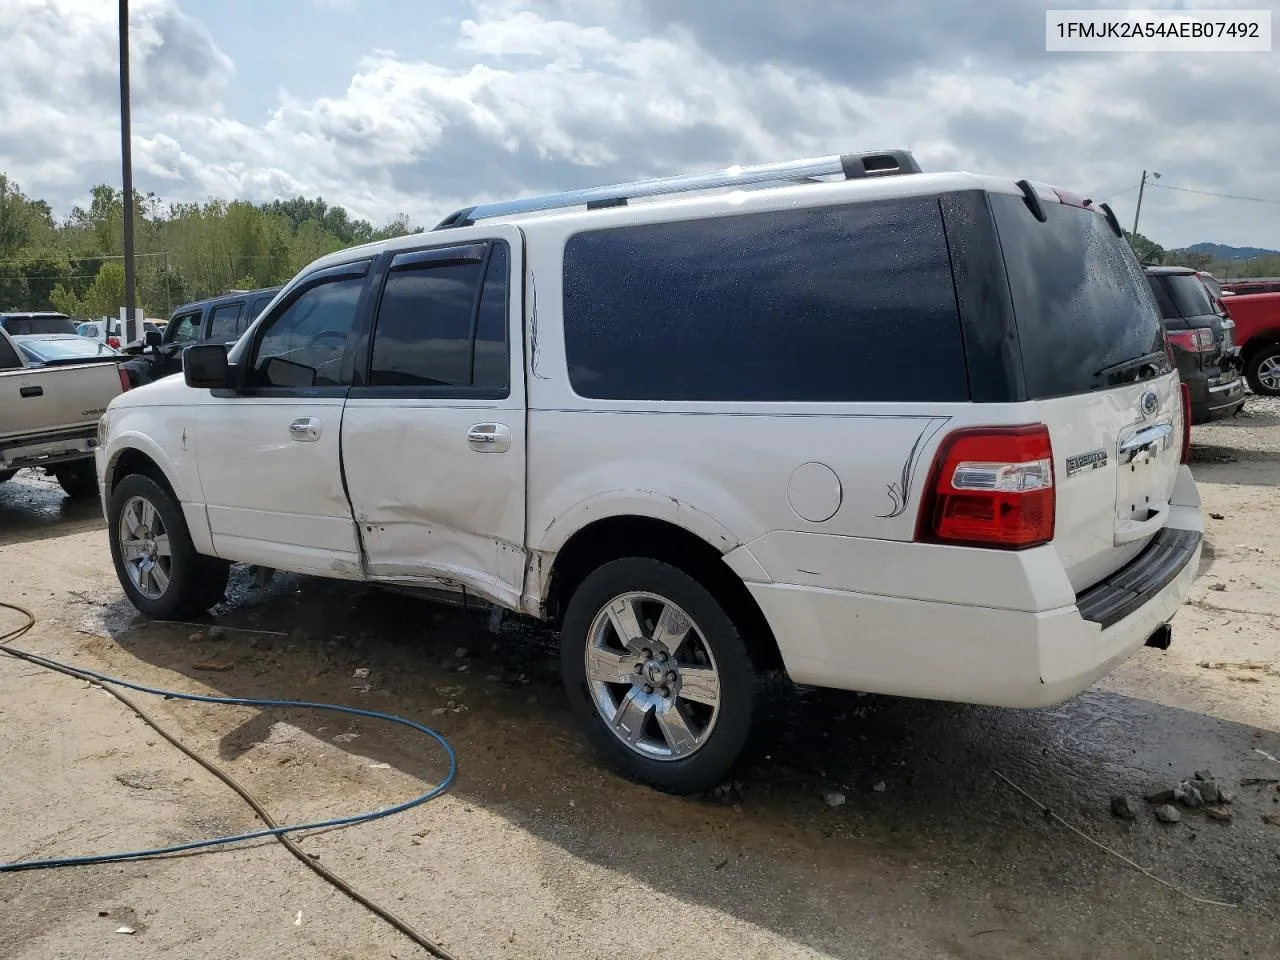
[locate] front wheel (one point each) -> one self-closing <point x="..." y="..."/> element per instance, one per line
<point x="659" y="675"/>
<point x="157" y="564"/>
<point x="79" y="480"/>
<point x="1263" y="371"/>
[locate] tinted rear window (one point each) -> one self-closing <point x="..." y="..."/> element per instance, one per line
<point x="832" y="304"/>
<point x="1080" y="299"/>
<point x="1187" y="293"/>
<point x="24" y="326"/>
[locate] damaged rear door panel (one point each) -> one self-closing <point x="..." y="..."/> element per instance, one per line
<point x="433" y="438"/>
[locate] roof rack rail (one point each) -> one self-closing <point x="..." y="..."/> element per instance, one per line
<point x="851" y="166"/>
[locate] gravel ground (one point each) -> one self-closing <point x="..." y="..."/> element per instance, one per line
<point x="539" y="852"/>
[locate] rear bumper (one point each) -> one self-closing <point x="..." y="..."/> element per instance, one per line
<point x="983" y="654"/>
<point x="1212" y="399"/>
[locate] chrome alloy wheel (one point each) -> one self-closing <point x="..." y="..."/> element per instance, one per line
<point x="652" y="676"/>
<point x="1269" y="373"/>
<point x="144" y="547"/>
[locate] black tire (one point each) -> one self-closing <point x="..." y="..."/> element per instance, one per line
<point x="79" y="480"/>
<point x="194" y="582"/>
<point x="1269" y="355"/>
<point x="741" y="689"/>
<point x="7" y="475"/>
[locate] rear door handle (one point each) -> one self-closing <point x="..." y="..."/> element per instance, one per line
<point x="31" y="391"/>
<point x="489" y="438"/>
<point x="305" y="429"/>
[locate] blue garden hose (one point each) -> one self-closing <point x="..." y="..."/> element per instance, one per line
<point x="110" y="683"/>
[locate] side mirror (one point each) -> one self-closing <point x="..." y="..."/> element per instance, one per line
<point x="153" y="338"/>
<point x="205" y="367"/>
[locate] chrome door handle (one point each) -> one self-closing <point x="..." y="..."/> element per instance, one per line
<point x="305" y="429"/>
<point x="489" y="438"/>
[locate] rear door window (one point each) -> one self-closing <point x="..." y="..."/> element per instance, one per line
<point x="830" y="304"/>
<point x="1080" y="299"/>
<point x="222" y="323"/>
<point x="442" y="325"/>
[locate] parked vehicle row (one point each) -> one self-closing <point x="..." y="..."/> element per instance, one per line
<point x="53" y="389"/>
<point x="1202" y="342"/>
<point x="218" y="319"/>
<point x="682" y="432"/>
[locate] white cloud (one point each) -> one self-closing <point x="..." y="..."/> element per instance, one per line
<point x="573" y="93"/>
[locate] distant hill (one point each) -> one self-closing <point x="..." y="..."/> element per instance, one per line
<point x="1221" y="251"/>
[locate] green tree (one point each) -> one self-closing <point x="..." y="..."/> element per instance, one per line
<point x="106" y="294"/>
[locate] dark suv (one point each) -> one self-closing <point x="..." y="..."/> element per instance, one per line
<point x="216" y="320"/>
<point x="1202" y="344"/>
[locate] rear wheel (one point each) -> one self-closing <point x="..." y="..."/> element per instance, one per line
<point x="157" y="565"/>
<point x="659" y="675"/>
<point x="79" y="480"/>
<point x="1263" y="371"/>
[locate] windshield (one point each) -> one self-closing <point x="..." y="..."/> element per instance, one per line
<point x="1080" y="300"/>
<point x="68" y="348"/>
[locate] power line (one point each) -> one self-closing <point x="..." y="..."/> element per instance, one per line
<point x="1210" y="193"/>
<point x="87" y="256"/>
<point x="1118" y="193"/>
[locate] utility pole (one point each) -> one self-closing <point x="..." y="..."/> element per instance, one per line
<point x="1141" y="189"/>
<point x="126" y="162"/>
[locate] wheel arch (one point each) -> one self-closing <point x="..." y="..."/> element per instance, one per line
<point x="620" y="536"/>
<point x="136" y="455"/>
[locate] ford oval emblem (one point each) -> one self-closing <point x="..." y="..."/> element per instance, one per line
<point x="1150" y="403"/>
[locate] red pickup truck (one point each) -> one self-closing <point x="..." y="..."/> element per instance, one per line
<point x="1257" y="333"/>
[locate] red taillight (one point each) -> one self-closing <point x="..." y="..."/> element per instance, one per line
<point x="113" y="343"/>
<point x="1186" y="423"/>
<point x="1199" y="340"/>
<point x="124" y="379"/>
<point x="991" y="487"/>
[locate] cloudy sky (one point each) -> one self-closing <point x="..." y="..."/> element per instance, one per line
<point x="421" y="106"/>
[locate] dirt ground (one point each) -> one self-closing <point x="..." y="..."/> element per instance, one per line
<point x="538" y="852"/>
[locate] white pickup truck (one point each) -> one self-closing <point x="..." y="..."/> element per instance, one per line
<point x="49" y="413"/>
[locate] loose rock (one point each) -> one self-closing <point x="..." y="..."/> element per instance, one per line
<point x="1187" y="794"/>
<point x="1157" y="794"/>
<point x="834" y="798"/>
<point x="1208" y="790"/>
<point x="462" y="653"/>
<point x="879" y="787"/>
<point x="361" y="673"/>
<point x="1126" y="808"/>
<point x="1221" y="814"/>
<point x="1218" y="586"/>
<point x="1204" y="775"/>
<point x="217" y="633"/>
<point x="1167" y="813"/>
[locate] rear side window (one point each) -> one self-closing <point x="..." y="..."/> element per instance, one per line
<point x="833" y="304"/>
<point x="223" y="320"/>
<point x="1080" y="299"/>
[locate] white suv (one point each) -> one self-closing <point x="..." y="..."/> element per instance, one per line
<point x="897" y="432"/>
